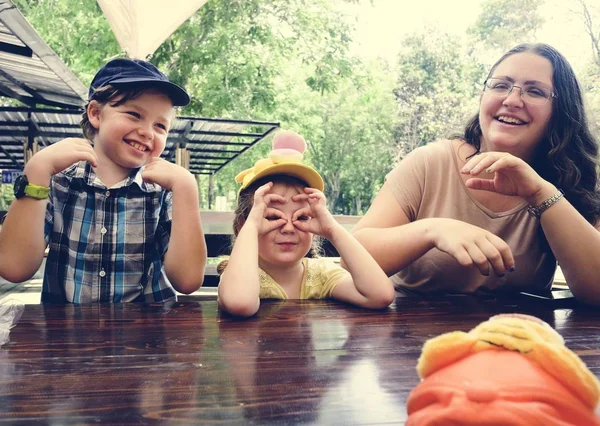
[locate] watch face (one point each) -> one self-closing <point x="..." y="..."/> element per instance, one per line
<point x="19" y="186"/>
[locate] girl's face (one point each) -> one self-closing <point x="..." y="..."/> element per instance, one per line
<point x="287" y="244"/>
<point x="509" y="124"/>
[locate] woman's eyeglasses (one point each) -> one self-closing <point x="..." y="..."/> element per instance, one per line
<point x="530" y="93"/>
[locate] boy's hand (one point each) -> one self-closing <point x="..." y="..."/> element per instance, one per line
<point x="315" y="218"/>
<point x="57" y="157"/>
<point x="263" y="217"/>
<point x="168" y="175"/>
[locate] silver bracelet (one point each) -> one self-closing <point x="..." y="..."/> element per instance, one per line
<point x="546" y="204"/>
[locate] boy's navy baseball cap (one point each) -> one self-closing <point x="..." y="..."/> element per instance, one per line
<point x="123" y="71"/>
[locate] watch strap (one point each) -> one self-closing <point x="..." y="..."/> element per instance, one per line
<point x="546" y="204"/>
<point x="37" y="191"/>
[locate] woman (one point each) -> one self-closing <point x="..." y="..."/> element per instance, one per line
<point x="487" y="210"/>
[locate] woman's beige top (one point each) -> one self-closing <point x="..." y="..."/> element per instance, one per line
<point x="321" y="277"/>
<point x="427" y="184"/>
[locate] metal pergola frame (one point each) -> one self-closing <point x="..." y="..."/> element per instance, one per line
<point x="31" y="72"/>
<point x="211" y="142"/>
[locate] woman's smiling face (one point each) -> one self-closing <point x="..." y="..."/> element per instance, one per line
<point x="508" y="124"/>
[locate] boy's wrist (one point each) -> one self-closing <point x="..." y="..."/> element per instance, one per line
<point x="36" y="175"/>
<point x="187" y="184"/>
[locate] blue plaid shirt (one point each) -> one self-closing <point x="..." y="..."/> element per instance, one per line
<point x="106" y="244"/>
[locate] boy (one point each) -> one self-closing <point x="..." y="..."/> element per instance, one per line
<point x="119" y="219"/>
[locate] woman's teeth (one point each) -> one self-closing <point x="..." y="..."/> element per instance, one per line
<point x="509" y="120"/>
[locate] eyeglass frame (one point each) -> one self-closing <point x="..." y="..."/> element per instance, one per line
<point x="513" y="85"/>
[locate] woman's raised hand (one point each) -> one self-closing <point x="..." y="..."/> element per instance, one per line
<point x="508" y="175"/>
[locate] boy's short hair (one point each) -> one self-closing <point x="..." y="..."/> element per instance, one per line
<point x="125" y="79"/>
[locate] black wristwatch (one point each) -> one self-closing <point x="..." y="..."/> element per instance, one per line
<point x="22" y="188"/>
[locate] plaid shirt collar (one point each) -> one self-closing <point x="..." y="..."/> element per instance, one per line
<point x="83" y="171"/>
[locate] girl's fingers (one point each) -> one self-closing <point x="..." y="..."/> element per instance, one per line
<point x="305" y="212"/>
<point x="274" y="198"/>
<point x="300" y="197"/>
<point x="302" y="225"/>
<point x="314" y="193"/>
<point x="312" y="190"/>
<point x="273" y="214"/>
<point x="262" y="189"/>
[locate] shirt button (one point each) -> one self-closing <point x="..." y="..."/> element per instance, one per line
<point x="103" y="231"/>
<point x="102" y="273"/>
<point x="107" y="193"/>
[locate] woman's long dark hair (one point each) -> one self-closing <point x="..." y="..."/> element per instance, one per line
<point x="567" y="156"/>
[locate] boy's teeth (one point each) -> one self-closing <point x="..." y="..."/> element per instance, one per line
<point x="510" y="120"/>
<point x="137" y="146"/>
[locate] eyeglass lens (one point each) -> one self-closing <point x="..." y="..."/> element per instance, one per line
<point x="529" y="92"/>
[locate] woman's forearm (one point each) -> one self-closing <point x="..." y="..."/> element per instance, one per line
<point x="395" y="248"/>
<point x="576" y="246"/>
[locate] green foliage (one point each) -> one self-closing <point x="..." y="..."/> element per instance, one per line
<point x="590" y="83"/>
<point x="352" y="146"/>
<point x="436" y="90"/>
<point x="76" y="30"/>
<point x="289" y="61"/>
<point x="349" y="133"/>
<point x="230" y="53"/>
<point x="6" y="196"/>
<point x="504" y="23"/>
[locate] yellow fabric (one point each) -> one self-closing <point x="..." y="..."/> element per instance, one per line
<point x="281" y="164"/>
<point x="321" y="277"/>
<point x="529" y="336"/>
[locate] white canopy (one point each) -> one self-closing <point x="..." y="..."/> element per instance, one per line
<point x="141" y="26"/>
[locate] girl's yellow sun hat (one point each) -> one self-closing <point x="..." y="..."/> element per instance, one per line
<point x="284" y="159"/>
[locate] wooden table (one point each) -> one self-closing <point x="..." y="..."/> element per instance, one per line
<point x="295" y="363"/>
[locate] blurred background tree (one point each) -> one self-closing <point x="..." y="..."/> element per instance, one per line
<point x="292" y="61"/>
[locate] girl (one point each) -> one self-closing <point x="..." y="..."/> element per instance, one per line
<point x="281" y="207"/>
